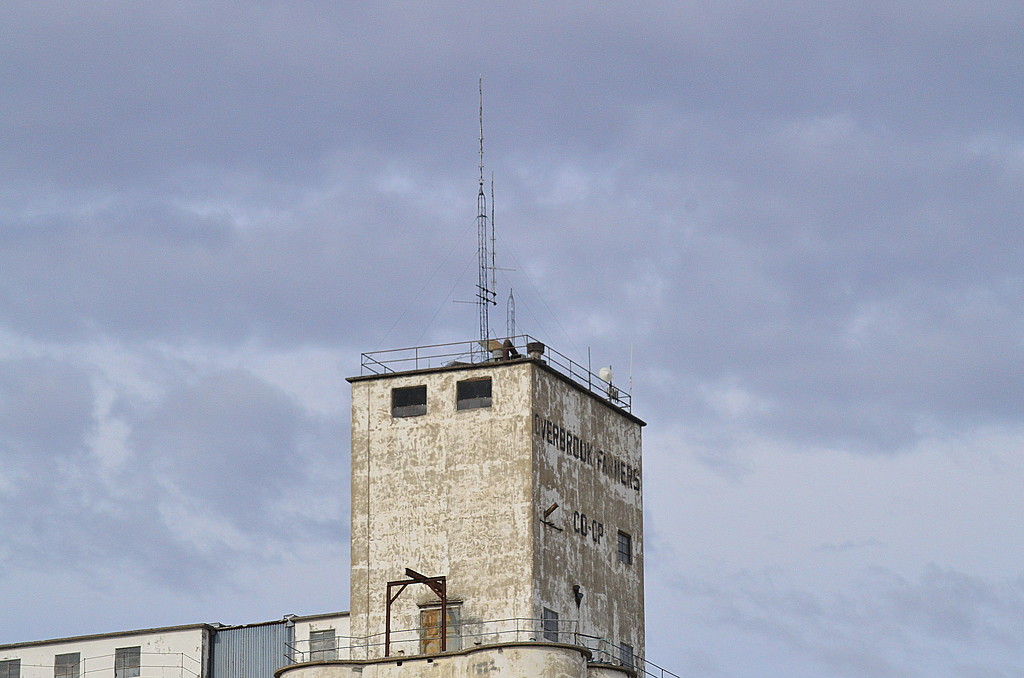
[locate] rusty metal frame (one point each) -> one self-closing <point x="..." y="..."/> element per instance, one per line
<point x="438" y="585"/>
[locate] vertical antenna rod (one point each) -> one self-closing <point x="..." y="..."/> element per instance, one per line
<point x="494" y="250"/>
<point x="485" y="294"/>
<point x="510" y="315"/>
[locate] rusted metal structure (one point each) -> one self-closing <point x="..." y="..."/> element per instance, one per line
<point x="439" y="585"/>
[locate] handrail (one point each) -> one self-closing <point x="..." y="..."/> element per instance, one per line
<point x="607" y="652"/>
<point x="479" y="634"/>
<point x="430" y="356"/>
<point x="149" y="666"/>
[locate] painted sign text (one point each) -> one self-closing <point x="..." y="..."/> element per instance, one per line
<point x="586" y="452"/>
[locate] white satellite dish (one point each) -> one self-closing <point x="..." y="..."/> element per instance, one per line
<point x="606" y="374"/>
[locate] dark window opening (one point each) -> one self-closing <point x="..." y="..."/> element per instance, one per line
<point x="322" y="645"/>
<point x="127" y="662"/>
<point x="549" y="625"/>
<point x="410" y="401"/>
<point x="626" y="655"/>
<point x="10" y="668"/>
<point x="625" y="548"/>
<point x="473" y="394"/>
<point x="66" y="665"/>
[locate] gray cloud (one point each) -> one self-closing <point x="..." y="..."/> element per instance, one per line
<point x="888" y="627"/>
<point x="217" y="439"/>
<point x="45" y="420"/>
<point x="801" y="221"/>
<point x="45" y="411"/>
<point x="208" y="475"/>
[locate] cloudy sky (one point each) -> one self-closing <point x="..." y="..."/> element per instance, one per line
<point x="801" y="219"/>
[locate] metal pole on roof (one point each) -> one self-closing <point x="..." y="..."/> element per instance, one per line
<point x="485" y="295"/>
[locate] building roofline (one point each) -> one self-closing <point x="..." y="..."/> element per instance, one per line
<point x="503" y="363"/>
<point x="112" y="634"/>
<point x="283" y="620"/>
<point x="212" y="626"/>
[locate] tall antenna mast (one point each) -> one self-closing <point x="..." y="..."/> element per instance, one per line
<point x="485" y="292"/>
<point x="494" y="250"/>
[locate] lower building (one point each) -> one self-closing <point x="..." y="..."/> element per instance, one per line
<point x="189" y="651"/>
<point x="317" y="646"/>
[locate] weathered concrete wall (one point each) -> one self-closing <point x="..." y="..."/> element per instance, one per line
<point x="606" y="671"/>
<point x="588" y="460"/>
<point x="462" y="493"/>
<point x="444" y="493"/>
<point x="536" y="660"/>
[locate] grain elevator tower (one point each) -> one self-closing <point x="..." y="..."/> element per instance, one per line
<point x="497" y="513"/>
<point x="518" y="480"/>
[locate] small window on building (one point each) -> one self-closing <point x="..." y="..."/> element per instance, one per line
<point x="127" y="662"/>
<point x="323" y="645"/>
<point x="10" y="668"/>
<point x="410" y="401"/>
<point x="473" y="393"/>
<point x="549" y="625"/>
<point x="66" y="665"/>
<point x="626" y="655"/>
<point x="625" y="548"/>
<point x="430" y="629"/>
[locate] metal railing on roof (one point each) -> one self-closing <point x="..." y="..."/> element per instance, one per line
<point x="464" y="635"/>
<point x="604" y="651"/>
<point x="499" y="350"/>
<point x="151" y="665"/>
<point x="409" y="642"/>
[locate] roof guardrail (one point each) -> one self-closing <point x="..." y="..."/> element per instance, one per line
<point x="497" y="350"/>
<point x="151" y="665"/>
<point x="463" y="635"/>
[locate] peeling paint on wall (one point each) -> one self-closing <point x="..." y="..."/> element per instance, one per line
<point x="462" y="493"/>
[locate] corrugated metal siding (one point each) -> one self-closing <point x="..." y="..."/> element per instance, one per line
<point x="249" y="652"/>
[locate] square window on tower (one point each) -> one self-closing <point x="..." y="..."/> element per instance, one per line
<point x="625" y="544"/>
<point x="410" y="401"/>
<point x="626" y="657"/>
<point x="549" y="625"/>
<point x="473" y="393"/>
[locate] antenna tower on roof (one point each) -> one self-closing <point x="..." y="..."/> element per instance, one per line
<point x="494" y="249"/>
<point x="486" y="294"/>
